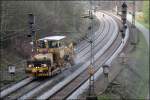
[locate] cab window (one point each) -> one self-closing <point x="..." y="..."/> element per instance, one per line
<point x="42" y="44"/>
<point x="53" y="44"/>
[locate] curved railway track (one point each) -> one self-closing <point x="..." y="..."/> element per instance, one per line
<point x="69" y="88"/>
<point x="26" y="96"/>
<point x="15" y="93"/>
<point x="84" y="43"/>
<point x="33" y="89"/>
<point x="99" y="41"/>
<point x="98" y="72"/>
<point x="102" y="37"/>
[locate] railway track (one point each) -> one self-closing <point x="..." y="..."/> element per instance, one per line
<point x="16" y="86"/>
<point x="29" y="84"/>
<point x="24" y="89"/>
<point x="68" y="88"/>
<point x="84" y="43"/>
<point x="77" y="82"/>
<point x="101" y="39"/>
<point x="98" y="73"/>
<point x="12" y="94"/>
<point x="40" y="88"/>
<point x="33" y="93"/>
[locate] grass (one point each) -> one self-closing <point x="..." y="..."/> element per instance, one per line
<point x="136" y="82"/>
<point x="144" y="19"/>
<point x="143" y="22"/>
<point x="141" y="55"/>
<point x="104" y="97"/>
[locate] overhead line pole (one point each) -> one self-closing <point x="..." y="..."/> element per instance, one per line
<point x="133" y="14"/>
<point x="91" y="95"/>
<point x="133" y="42"/>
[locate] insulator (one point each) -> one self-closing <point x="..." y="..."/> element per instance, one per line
<point x="124" y="5"/>
<point x="123" y="35"/>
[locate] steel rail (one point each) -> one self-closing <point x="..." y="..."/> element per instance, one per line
<point x="27" y="85"/>
<point x="31" y="93"/>
<point x="98" y="39"/>
<point x="31" y="89"/>
<point x="15" y="87"/>
<point x="99" y="31"/>
<point x="103" y="40"/>
<point x="51" y="92"/>
<point x="71" y="87"/>
<point x="24" y="89"/>
<point x="99" y="72"/>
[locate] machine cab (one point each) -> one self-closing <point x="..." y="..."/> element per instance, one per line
<point x="51" y="42"/>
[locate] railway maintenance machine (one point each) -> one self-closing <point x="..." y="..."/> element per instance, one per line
<point x="52" y="55"/>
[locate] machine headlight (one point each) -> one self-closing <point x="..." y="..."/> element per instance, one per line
<point x="44" y="65"/>
<point x="29" y="66"/>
